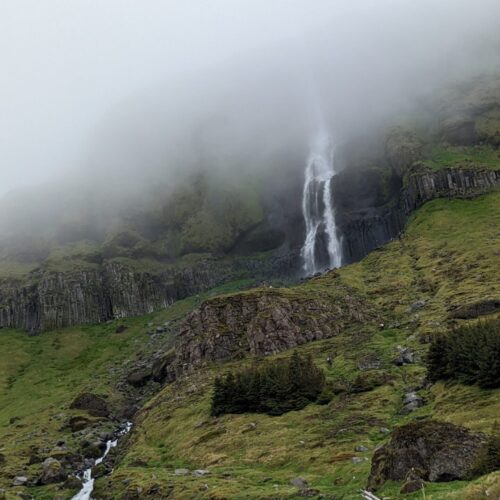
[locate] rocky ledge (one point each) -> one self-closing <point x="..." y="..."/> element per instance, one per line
<point x="259" y="323"/>
<point x="368" y="228"/>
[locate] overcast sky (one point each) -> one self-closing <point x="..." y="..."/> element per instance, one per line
<point x="66" y="63"/>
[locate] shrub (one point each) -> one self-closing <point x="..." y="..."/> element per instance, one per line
<point x="469" y="354"/>
<point x="274" y="389"/>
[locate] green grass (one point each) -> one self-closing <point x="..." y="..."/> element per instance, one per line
<point x="448" y="256"/>
<point x="443" y="156"/>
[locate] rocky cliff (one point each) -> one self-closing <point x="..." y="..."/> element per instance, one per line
<point x="366" y="228"/>
<point x="57" y="299"/>
<point x="260" y="323"/>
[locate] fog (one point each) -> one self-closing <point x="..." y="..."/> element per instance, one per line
<point x="121" y="96"/>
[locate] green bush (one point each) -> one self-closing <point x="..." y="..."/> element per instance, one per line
<point x="274" y="389"/>
<point x="469" y="354"/>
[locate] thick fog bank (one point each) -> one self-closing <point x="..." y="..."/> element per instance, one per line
<point x="249" y="113"/>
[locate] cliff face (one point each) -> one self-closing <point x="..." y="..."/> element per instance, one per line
<point x="260" y="323"/>
<point x="366" y="228"/>
<point x="59" y="299"/>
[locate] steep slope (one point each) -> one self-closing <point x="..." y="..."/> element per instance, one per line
<point x="446" y="261"/>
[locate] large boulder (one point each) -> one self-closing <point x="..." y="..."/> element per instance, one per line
<point x="93" y="403"/>
<point x="52" y="472"/>
<point x="435" y="451"/>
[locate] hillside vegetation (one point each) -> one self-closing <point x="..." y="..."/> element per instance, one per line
<point x="447" y="260"/>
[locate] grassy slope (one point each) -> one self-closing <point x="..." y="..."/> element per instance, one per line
<point x="40" y="376"/>
<point x="448" y="256"/>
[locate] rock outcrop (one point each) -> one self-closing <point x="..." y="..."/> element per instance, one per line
<point x="435" y="451"/>
<point x="54" y="299"/>
<point x="367" y="228"/>
<point x="259" y="323"/>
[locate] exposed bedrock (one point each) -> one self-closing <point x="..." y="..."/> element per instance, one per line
<point x="259" y="323"/>
<point x="51" y="299"/>
<point x="365" y="228"/>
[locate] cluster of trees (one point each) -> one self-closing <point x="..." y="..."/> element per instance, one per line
<point x="469" y="354"/>
<point x="273" y="388"/>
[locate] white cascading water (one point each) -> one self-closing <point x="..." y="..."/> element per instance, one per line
<point x="87" y="479"/>
<point x="317" y="206"/>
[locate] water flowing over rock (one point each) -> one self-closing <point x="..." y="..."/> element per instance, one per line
<point x="321" y="247"/>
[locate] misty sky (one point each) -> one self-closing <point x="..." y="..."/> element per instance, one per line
<point x="67" y="64"/>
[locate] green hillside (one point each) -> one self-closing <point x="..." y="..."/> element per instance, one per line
<point x="447" y="258"/>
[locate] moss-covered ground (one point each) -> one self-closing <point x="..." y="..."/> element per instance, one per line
<point x="448" y="256"/>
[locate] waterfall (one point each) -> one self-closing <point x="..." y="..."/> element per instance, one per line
<point x="322" y="246"/>
<point x="88" y="481"/>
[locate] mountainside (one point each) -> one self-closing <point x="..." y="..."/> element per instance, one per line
<point x="209" y="231"/>
<point x="199" y="297"/>
<point x="372" y="319"/>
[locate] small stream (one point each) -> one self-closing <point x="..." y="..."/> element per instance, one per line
<point x="88" y="481"/>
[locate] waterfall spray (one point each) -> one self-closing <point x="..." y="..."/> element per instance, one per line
<point x="317" y="206"/>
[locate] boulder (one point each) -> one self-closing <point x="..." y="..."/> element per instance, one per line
<point x="120" y="328"/>
<point x="20" y="481"/>
<point x="411" y="402"/>
<point x="474" y="310"/>
<point x="181" y="472"/>
<point x="140" y="376"/>
<point x="369" y="362"/>
<point x="72" y="483"/>
<point x="439" y="451"/>
<point x="52" y="472"/>
<point x="94" y="404"/>
<point x="299" y="483"/>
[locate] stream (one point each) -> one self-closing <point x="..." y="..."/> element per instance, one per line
<point x="88" y="481"/>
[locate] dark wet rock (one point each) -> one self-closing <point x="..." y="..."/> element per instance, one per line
<point x="92" y="403"/>
<point x="471" y="311"/>
<point x="100" y="470"/>
<point x="439" y="451"/>
<point x="72" y="483"/>
<point x="460" y="132"/>
<point x="93" y="450"/>
<point x="121" y="328"/>
<point x="52" y="472"/>
<point x="405" y="356"/>
<point x="161" y="365"/>
<point x="140" y="376"/>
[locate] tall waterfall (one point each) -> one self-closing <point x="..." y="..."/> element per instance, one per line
<point x="322" y="246"/>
